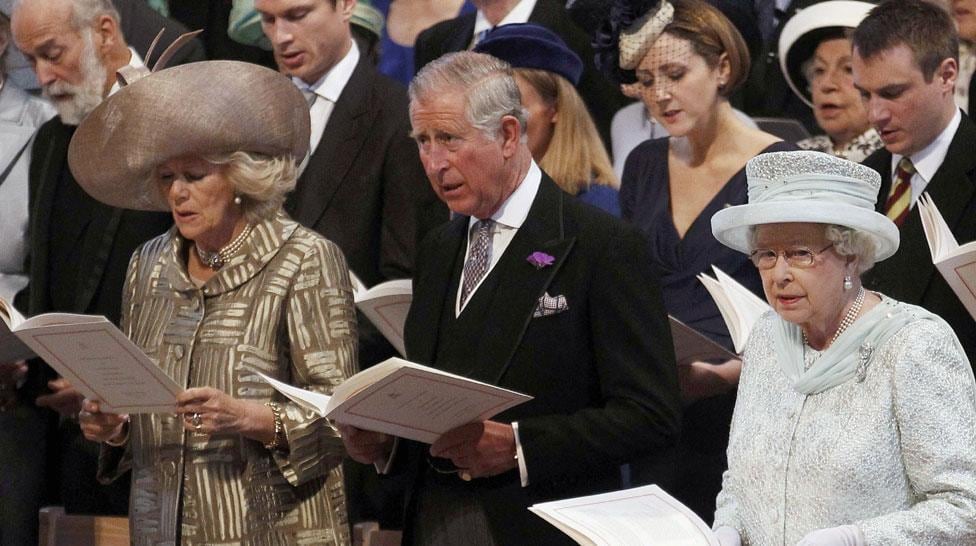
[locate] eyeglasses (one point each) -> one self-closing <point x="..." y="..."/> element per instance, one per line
<point x="766" y="258"/>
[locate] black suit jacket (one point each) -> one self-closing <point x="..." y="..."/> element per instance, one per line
<point x="601" y="373"/>
<point x="602" y="98"/>
<point x="365" y="189"/>
<point x="140" y="25"/>
<point x="909" y="275"/>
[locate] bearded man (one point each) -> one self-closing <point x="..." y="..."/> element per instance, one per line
<point x="79" y="248"/>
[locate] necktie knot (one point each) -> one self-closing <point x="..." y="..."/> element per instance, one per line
<point x="310" y="96"/>
<point x="905" y="167"/>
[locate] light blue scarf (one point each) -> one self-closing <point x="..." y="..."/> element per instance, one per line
<point x="849" y="355"/>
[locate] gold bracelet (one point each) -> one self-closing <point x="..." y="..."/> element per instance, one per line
<point x="279" y="427"/>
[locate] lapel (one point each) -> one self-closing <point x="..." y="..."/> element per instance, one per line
<point x="952" y="190"/>
<point x="345" y="134"/>
<point x="51" y="153"/>
<point x="520" y="283"/>
<point x="432" y="287"/>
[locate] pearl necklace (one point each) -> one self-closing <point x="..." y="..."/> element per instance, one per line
<point x="849" y="318"/>
<point x="216" y="260"/>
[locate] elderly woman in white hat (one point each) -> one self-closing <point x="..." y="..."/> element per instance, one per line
<point x="855" y="422"/>
<point x="235" y="287"/>
<point x="815" y="56"/>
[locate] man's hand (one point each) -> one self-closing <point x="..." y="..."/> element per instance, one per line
<point x="98" y="426"/>
<point x="63" y="399"/>
<point x="10" y="374"/>
<point x="366" y="446"/>
<point x="478" y="449"/>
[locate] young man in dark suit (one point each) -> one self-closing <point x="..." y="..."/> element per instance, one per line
<point x="363" y="186"/>
<point x="602" y="98"/>
<point x="905" y="66"/>
<point x="79" y="248"/>
<point x="530" y="290"/>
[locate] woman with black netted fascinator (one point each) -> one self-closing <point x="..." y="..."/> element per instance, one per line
<point x="684" y="58"/>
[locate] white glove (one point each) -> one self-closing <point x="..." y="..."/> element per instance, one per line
<point x="845" y="535"/>
<point x="727" y="536"/>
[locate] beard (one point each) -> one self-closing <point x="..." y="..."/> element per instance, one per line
<point x="75" y="101"/>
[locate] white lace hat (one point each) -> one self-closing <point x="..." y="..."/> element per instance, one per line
<point x="807" y="187"/>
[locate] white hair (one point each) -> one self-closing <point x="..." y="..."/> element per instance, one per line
<point x="488" y="85"/>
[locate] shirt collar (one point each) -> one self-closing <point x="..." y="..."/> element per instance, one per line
<point x="331" y="84"/>
<point x="135" y="61"/>
<point x="515" y="209"/>
<point x="519" y="14"/>
<point x="929" y="159"/>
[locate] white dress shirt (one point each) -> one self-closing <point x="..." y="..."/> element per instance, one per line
<point x="508" y="219"/>
<point x="519" y="14"/>
<point x="929" y="159"/>
<point x="328" y="88"/>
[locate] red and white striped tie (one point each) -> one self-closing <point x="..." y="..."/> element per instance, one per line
<point x="900" y="198"/>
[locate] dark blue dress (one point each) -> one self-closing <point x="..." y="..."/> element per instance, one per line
<point x="601" y="197"/>
<point x="396" y="60"/>
<point x="645" y="201"/>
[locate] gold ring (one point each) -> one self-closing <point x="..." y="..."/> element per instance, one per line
<point x="196" y="421"/>
<point x="465" y="475"/>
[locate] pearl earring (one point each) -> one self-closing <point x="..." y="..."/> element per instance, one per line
<point x="237" y="199"/>
<point x="848" y="284"/>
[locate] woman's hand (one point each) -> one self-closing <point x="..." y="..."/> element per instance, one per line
<point x="101" y="427"/>
<point x="207" y="410"/>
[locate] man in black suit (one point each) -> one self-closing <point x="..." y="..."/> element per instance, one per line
<point x="530" y="290"/>
<point x="79" y="248"/>
<point x="363" y="186"/>
<point x="905" y="66"/>
<point x="602" y="98"/>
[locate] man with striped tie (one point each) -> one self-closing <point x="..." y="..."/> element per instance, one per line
<point x="905" y="66"/>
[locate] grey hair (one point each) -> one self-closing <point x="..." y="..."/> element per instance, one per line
<point x="851" y="242"/>
<point x="261" y="181"/>
<point x="84" y="12"/>
<point x="488" y="85"/>
<point x="847" y="241"/>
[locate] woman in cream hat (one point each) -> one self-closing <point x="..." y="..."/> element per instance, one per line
<point x="815" y="57"/>
<point x="234" y="288"/>
<point x="856" y="415"/>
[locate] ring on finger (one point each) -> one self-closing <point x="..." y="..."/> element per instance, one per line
<point x="196" y="421"/>
<point x="465" y="475"/>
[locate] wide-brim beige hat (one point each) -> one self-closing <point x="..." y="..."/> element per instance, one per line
<point x="804" y="31"/>
<point x="196" y="109"/>
<point x="807" y="187"/>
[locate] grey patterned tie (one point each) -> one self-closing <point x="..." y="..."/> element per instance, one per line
<point x="478" y="259"/>
<point x="310" y="96"/>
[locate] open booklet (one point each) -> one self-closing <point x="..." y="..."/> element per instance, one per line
<point x="94" y="355"/>
<point x="406" y="400"/>
<point x="956" y="263"/>
<point x="739" y="307"/>
<point x="385" y="305"/>
<point x="643" y="516"/>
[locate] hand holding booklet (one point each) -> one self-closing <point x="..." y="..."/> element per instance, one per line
<point x="405" y="399"/>
<point x="94" y="355"/>
<point x="642" y="516"/>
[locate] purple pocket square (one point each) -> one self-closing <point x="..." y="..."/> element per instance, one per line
<point x="549" y="305"/>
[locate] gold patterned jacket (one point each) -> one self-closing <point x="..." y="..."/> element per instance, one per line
<point x="282" y="306"/>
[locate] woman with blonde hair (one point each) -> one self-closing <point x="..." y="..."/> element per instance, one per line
<point x="562" y="136"/>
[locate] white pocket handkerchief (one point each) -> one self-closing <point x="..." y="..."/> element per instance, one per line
<point x="549" y="305"/>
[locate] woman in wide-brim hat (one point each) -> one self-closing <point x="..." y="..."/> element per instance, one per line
<point x="815" y="57"/>
<point x="234" y="288"/>
<point x="856" y="414"/>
